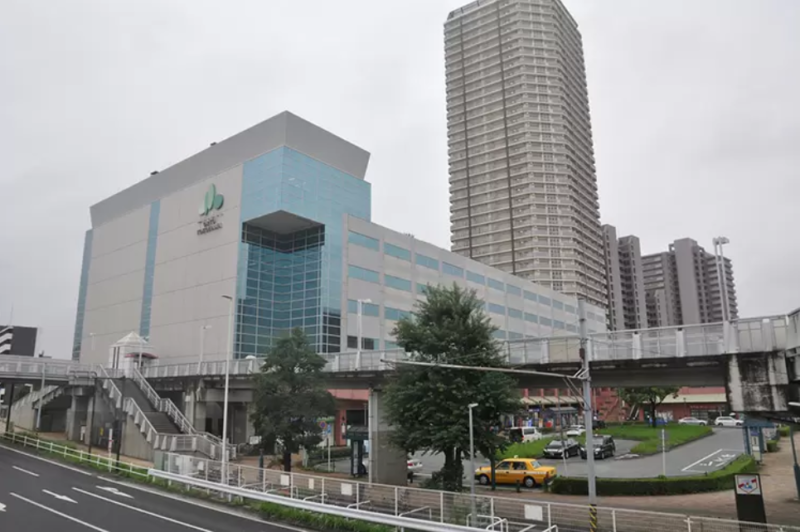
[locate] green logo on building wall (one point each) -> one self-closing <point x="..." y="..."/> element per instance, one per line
<point x="212" y="201"/>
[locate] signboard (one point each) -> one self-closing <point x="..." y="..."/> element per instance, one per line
<point x="211" y="202"/>
<point x="748" y="485"/>
<point x="356" y="432"/>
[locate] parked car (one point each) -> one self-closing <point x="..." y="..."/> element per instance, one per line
<point x="728" y="421"/>
<point x="604" y="447"/>
<point x="559" y="448"/>
<point x="576" y="430"/>
<point x="692" y="421"/>
<point x="524" y="434"/>
<point x="526" y="471"/>
<point x="414" y="465"/>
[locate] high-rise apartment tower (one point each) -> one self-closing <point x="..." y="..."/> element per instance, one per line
<point x="682" y="286"/>
<point x="627" y="308"/>
<point x="523" y="189"/>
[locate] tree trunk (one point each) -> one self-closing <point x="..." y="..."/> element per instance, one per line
<point x="653" y="414"/>
<point x="287" y="460"/>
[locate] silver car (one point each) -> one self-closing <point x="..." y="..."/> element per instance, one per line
<point x="691" y="421"/>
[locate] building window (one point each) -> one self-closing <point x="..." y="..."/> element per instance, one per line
<point x="530" y="296"/>
<point x="500" y="335"/>
<point x="497" y="285"/>
<point x="357" y="272"/>
<point x="428" y="262"/>
<point x="545" y="321"/>
<point x="514" y="336"/>
<point x="422" y="288"/>
<point x="397" y="283"/>
<point x="367" y="309"/>
<point x="558" y="305"/>
<point x="570" y="309"/>
<point x="571" y="328"/>
<point x="388" y="344"/>
<point x="449" y="269"/>
<point x="476" y="277"/>
<point x="514" y="313"/>
<point x="497" y="309"/>
<point x="394" y="313"/>
<point x="513" y="290"/>
<point x="533" y="318"/>
<point x="366" y="343"/>
<point x="558" y="324"/>
<point x="396" y="251"/>
<point x="544" y="301"/>
<point x="364" y="241"/>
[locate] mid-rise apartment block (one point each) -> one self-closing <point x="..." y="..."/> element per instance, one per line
<point x="625" y="281"/>
<point x="683" y="286"/>
<point x="523" y="189"/>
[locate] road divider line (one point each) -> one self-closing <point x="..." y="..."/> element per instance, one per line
<point x="60" y="497"/>
<point x="51" y="462"/>
<point x="135" y="509"/>
<point x="60" y="514"/>
<point x="115" y="491"/>
<point x="31" y="473"/>
<point x="690" y="466"/>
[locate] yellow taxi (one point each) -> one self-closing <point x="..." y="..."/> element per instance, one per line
<point x="527" y="471"/>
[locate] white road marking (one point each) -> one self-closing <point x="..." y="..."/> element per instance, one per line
<point x="2" y="507"/>
<point x="52" y="462"/>
<point x="60" y="497"/>
<point x="200" y="504"/>
<point x="65" y="516"/>
<point x="710" y="461"/>
<point x="152" y="514"/>
<point x="115" y="491"/>
<point x="31" y="473"/>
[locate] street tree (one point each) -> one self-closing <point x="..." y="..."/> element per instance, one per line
<point x="428" y="406"/>
<point x="290" y="397"/>
<point x="650" y="397"/>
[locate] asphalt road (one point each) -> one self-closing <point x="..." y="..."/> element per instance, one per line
<point x="41" y="496"/>
<point x="701" y="456"/>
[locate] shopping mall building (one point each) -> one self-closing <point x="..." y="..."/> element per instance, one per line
<point x="276" y="221"/>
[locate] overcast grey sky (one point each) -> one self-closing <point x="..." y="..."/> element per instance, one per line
<point x="694" y="106"/>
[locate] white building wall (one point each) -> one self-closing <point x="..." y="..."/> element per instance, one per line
<point x="385" y="296"/>
<point x="116" y="283"/>
<point x="193" y="272"/>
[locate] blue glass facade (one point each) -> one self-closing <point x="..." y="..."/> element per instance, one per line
<point x="149" y="269"/>
<point x="77" y="341"/>
<point x="293" y="278"/>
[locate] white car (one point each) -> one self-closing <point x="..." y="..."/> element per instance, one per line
<point x="728" y="421"/>
<point x="576" y="430"/>
<point x="414" y="466"/>
<point x="524" y="434"/>
<point x="692" y="421"/>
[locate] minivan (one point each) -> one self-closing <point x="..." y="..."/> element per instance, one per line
<point x="524" y="434"/>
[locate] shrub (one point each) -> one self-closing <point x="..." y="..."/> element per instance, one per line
<point x="314" y="520"/>
<point x="531" y="449"/>
<point x="784" y="430"/>
<point x="772" y="446"/>
<point x="650" y="437"/>
<point x="715" y="481"/>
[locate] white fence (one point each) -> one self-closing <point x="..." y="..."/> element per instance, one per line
<point x="504" y="514"/>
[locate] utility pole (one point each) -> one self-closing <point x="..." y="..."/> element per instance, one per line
<point x="588" y="418"/>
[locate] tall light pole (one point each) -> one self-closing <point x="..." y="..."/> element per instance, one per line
<point x="203" y="330"/>
<point x="719" y="258"/>
<point x="472" y="464"/>
<point x="360" y="313"/>
<point x="588" y="412"/>
<point x="224" y="479"/>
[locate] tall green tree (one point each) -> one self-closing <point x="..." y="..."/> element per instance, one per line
<point x="650" y="397"/>
<point x="428" y="406"/>
<point x="290" y="397"/>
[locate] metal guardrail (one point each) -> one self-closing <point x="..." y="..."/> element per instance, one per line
<point x="429" y="507"/>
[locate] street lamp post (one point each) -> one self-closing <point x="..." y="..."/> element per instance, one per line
<point x="203" y="330"/>
<point x="719" y="259"/>
<point x="472" y="464"/>
<point x="360" y="313"/>
<point x="224" y="479"/>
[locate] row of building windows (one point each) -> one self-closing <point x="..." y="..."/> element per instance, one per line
<point x="448" y="269"/>
<point x="371" y="309"/>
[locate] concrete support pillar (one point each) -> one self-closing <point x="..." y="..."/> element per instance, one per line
<point x="78" y="417"/>
<point x="387" y="463"/>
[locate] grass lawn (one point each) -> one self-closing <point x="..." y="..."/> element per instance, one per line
<point x="531" y="449"/>
<point x="650" y="438"/>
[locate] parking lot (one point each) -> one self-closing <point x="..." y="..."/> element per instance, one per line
<point x="695" y="458"/>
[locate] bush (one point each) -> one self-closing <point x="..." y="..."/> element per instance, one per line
<point x="314" y="520"/>
<point x="784" y="430"/>
<point x="772" y="446"/>
<point x="716" y="481"/>
<point x="318" y="456"/>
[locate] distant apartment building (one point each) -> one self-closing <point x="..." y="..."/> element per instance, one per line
<point x="682" y="286"/>
<point x="16" y="340"/>
<point x="627" y="307"/>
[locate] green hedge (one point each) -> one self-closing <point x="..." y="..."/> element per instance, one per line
<point x="772" y="446"/>
<point x="320" y="456"/>
<point x="783" y="431"/>
<point x="650" y="437"/>
<point x="716" y="481"/>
